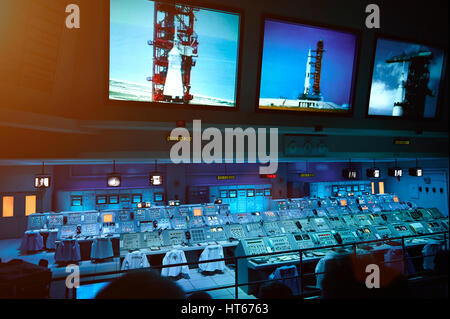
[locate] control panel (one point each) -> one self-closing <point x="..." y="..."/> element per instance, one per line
<point x="174" y="237"/>
<point x="324" y="239"/>
<point x="303" y="241"/>
<point x="254" y="230"/>
<point x="418" y="228"/>
<point x="236" y="231"/>
<point x="271" y="228"/>
<point x="321" y="224"/>
<point x="290" y="226"/>
<point x="280" y="243"/>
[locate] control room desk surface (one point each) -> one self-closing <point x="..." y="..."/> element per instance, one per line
<point x="20" y="279"/>
<point x="193" y="247"/>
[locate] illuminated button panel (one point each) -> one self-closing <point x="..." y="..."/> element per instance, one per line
<point x="254" y="230"/>
<point x="271" y="228"/>
<point x="256" y="246"/>
<point x="383" y="232"/>
<point x="270" y="216"/>
<point x="176" y="237"/>
<point x="127" y="227"/>
<point x="236" y="231"/>
<point x="321" y="224"/>
<point x="402" y="229"/>
<point x="304" y="241"/>
<point x="362" y="220"/>
<point x="306" y="225"/>
<point x="212" y="220"/>
<point x="418" y="228"/>
<point x="336" y="222"/>
<point x="280" y="243"/>
<point x="289" y="226"/>
<point x="198" y="235"/>
<point x="196" y="221"/>
<point x="179" y="223"/>
<point x="347" y="236"/>
<point x="151" y="240"/>
<point x="90" y="229"/>
<point x="325" y="239"/>
<point x="217" y="233"/>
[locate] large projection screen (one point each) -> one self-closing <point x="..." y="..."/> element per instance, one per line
<point x="307" y="68"/>
<point x="406" y="79"/>
<point x="173" y="54"/>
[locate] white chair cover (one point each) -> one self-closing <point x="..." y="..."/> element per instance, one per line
<point x="67" y="251"/>
<point x="209" y="253"/>
<point x="135" y="260"/>
<point x="284" y="275"/>
<point x="429" y="252"/>
<point x="321" y="266"/>
<point x="101" y="248"/>
<point x="394" y="259"/>
<point x="32" y="241"/>
<point x="175" y="256"/>
<point x="51" y="239"/>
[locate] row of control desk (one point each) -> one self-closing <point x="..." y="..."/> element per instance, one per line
<point x="290" y="224"/>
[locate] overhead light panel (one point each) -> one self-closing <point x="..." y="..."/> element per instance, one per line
<point x="395" y="171"/>
<point x="416" y="171"/>
<point x="373" y="172"/>
<point x="114" y="179"/>
<point x="350" y="173"/>
<point x="42" y="180"/>
<point x="155" y="178"/>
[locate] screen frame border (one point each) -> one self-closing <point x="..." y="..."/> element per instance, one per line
<point x="284" y="19"/>
<point x="440" y="98"/>
<point x="161" y="106"/>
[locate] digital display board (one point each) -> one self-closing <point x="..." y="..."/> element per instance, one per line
<point x="173" y="53"/>
<point x="406" y="79"/>
<point x="307" y="68"/>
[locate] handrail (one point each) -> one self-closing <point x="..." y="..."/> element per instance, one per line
<point x="236" y="258"/>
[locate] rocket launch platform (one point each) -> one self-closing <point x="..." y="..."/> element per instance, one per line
<point x="175" y="46"/>
<point x="311" y="99"/>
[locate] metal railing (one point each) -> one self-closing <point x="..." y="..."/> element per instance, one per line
<point x="234" y="260"/>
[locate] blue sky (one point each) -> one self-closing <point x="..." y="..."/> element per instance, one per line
<point x="131" y="58"/>
<point x="284" y="61"/>
<point x="386" y="76"/>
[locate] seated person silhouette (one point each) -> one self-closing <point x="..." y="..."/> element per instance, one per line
<point x="140" y="284"/>
<point x="275" y="290"/>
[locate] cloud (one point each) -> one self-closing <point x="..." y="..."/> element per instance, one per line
<point x="381" y="99"/>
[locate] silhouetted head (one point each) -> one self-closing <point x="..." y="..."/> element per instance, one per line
<point x="141" y="285"/>
<point x="199" y="295"/>
<point x="275" y="290"/>
<point x="345" y="277"/>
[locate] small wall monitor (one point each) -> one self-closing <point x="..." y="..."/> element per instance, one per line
<point x="223" y="193"/>
<point x="197" y="211"/>
<point x="406" y="79"/>
<point x="307" y="68"/>
<point x="173" y="53"/>
<point x="136" y="198"/>
<point x="108" y="218"/>
<point x="101" y="199"/>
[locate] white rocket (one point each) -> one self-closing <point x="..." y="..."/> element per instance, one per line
<point x="173" y="86"/>
<point x="397" y="110"/>
<point x="308" y="73"/>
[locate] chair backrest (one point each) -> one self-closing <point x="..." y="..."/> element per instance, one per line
<point x="43" y="263"/>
